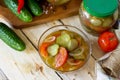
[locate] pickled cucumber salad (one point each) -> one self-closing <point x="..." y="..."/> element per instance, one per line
<point x="64" y="50"/>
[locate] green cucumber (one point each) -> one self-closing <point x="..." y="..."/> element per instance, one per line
<point x="11" y="38"/>
<point x="24" y="15"/>
<point x="72" y="44"/>
<point x="34" y="7"/>
<point x="63" y="39"/>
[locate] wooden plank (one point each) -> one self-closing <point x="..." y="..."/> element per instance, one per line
<point x="74" y="21"/>
<point x="85" y="73"/>
<point x="96" y="52"/>
<point x="34" y="33"/>
<point x="60" y="12"/>
<point x="2" y="75"/>
<point x="25" y="65"/>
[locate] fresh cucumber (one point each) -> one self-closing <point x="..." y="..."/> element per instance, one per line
<point x="34" y="7"/>
<point x="11" y="38"/>
<point x="24" y="15"/>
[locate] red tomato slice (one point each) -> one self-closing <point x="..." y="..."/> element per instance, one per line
<point x="108" y="41"/>
<point x="43" y="49"/>
<point x="61" y="57"/>
<point x="44" y="46"/>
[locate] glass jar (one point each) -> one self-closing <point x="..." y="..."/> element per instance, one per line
<point x="58" y="2"/>
<point x="61" y="35"/>
<point x="98" y="16"/>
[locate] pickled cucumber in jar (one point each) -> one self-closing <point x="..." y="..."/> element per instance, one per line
<point x="98" y="16"/>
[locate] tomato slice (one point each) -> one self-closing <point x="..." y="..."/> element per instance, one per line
<point x="61" y="57"/>
<point x="108" y="41"/>
<point x="43" y="49"/>
<point x="45" y="45"/>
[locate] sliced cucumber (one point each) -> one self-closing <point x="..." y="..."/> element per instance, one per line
<point x="70" y="34"/>
<point x="53" y="49"/>
<point x="63" y="39"/>
<point x="107" y="22"/>
<point x="96" y="22"/>
<point x="72" y="44"/>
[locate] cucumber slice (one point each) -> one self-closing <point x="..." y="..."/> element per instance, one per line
<point x="63" y="39"/>
<point x="107" y="22"/>
<point x="96" y="22"/>
<point x="70" y="34"/>
<point x="53" y="49"/>
<point x="72" y="44"/>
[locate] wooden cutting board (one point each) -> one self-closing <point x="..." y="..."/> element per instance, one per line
<point x="69" y="9"/>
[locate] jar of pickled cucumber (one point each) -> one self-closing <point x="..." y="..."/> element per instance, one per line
<point x="98" y="16"/>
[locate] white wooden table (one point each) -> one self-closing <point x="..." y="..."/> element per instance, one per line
<point x="27" y="65"/>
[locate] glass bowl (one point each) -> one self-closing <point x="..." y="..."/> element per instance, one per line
<point x="64" y="48"/>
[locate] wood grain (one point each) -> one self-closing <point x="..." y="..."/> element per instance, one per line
<point x="24" y="65"/>
<point x="27" y="65"/>
<point x="69" y="9"/>
<point x="34" y="34"/>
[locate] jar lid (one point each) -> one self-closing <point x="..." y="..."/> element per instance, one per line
<point x="100" y="8"/>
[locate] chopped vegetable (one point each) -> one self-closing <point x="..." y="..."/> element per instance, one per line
<point x="63" y="39"/>
<point x="43" y="49"/>
<point x="108" y="41"/>
<point x="72" y="44"/>
<point x="107" y="22"/>
<point x="61" y="57"/>
<point x="95" y="21"/>
<point x="53" y="49"/>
